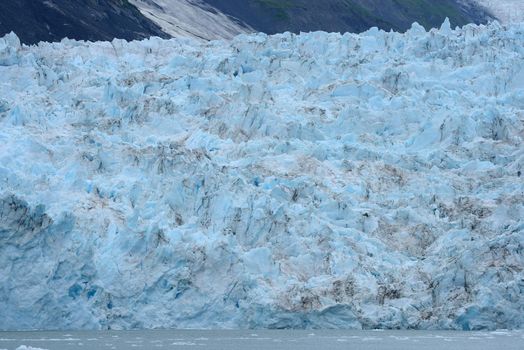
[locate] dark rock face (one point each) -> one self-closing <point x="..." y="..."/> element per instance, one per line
<point x="53" y="20"/>
<point x="273" y="16"/>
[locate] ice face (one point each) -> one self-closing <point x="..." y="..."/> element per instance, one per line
<point x="314" y="180"/>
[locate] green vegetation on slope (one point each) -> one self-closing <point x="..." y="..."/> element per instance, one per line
<point x="429" y="13"/>
<point x="274" y="16"/>
<point x="279" y="7"/>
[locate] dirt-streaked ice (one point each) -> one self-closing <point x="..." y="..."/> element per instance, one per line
<point x="313" y="180"/>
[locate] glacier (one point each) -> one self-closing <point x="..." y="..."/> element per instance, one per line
<point x="289" y="181"/>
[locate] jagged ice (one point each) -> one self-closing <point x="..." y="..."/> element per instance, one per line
<point x="313" y="180"/>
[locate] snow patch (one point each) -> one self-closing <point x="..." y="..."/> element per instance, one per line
<point x="507" y="11"/>
<point x="192" y="18"/>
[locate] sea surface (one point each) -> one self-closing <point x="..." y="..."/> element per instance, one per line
<point x="263" y="340"/>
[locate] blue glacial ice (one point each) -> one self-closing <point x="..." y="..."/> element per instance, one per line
<point x="305" y="181"/>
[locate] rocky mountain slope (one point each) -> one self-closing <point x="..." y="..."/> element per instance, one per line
<point x="193" y="18"/>
<point x="273" y="16"/>
<point x="303" y="181"/>
<point x="211" y="19"/>
<point x="53" y="20"/>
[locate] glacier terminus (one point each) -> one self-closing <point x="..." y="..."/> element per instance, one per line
<point x="288" y="181"/>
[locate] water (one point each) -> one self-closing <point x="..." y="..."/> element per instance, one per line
<point x="264" y="340"/>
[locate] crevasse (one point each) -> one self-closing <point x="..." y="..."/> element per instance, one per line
<point x="305" y="181"/>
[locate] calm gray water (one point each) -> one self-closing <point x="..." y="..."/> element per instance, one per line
<point x="264" y="340"/>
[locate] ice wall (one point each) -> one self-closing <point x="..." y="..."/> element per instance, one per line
<point x="314" y="180"/>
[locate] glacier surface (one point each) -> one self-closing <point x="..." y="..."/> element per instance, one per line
<point x="288" y="181"/>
